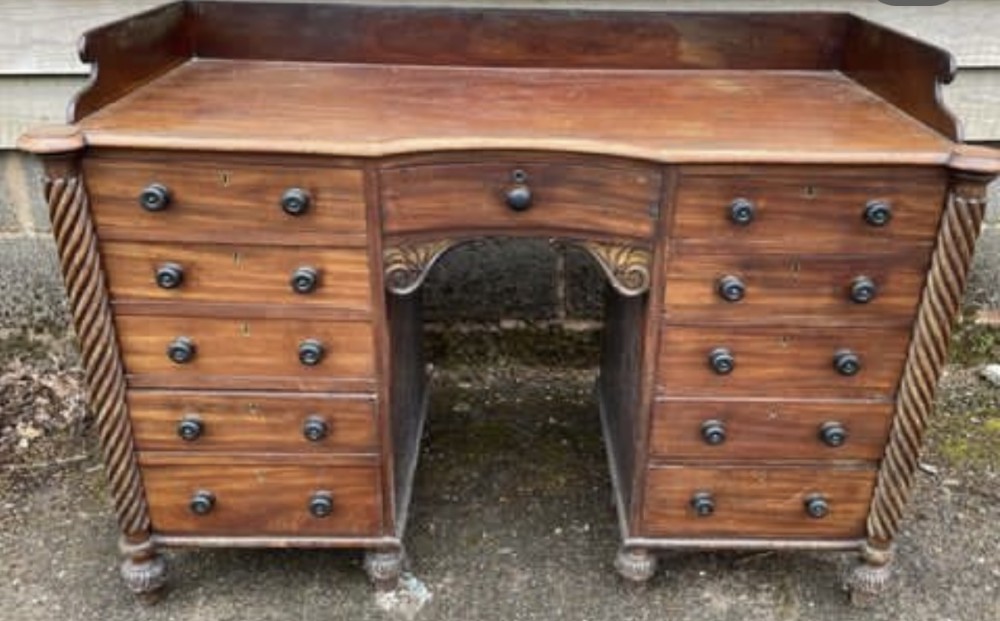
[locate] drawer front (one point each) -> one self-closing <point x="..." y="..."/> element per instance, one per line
<point x="779" y="430"/>
<point x="756" y="502"/>
<point x="806" y="289"/>
<point x="806" y="210"/>
<point x="781" y="362"/>
<point x="238" y="274"/>
<point x="224" y="201"/>
<point x="252" y="422"/>
<point x="254" y="353"/>
<point x="264" y="499"/>
<point x="474" y="197"/>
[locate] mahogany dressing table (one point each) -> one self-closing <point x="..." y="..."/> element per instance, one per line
<point x="248" y="197"/>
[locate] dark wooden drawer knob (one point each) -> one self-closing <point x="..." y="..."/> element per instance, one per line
<point x="742" y="211"/>
<point x="817" y="507"/>
<point x="713" y="432"/>
<point x="703" y="504"/>
<point x="731" y="288"/>
<point x="202" y="503"/>
<point x="877" y="213"/>
<point x="519" y="197"/>
<point x="304" y="280"/>
<point x="863" y="290"/>
<point x="721" y="360"/>
<point x="315" y="429"/>
<point x="310" y="352"/>
<point x="321" y="504"/>
<point x="169" y="276"/>
<point x="155" y="197"/>
<point x="295" y="201"/>
<point x="181" y="350"/>
<point x="833" y="434"/>
<point x="190" y="428"/>
<point x="846" y="362"/>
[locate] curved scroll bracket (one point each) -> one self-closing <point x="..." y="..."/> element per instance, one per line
<point x="406" y="265"/>
<point x="627" y="266"/>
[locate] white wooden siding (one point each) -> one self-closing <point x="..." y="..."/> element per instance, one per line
<point x="39" y="68"/>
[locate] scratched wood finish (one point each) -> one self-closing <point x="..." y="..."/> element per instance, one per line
<point x="768" y="430"/>
<point x="807" y="289"/>
<point x="238" y="273"/>
<point x="757" y="502"/>
<point x="603" y="199"/>
<point x="265" y="499"/>
<point x="689" y="116"/>
<point x="253" y="353"/>
<point x="225" y="201"/>
<point x="806" y="209"/>
<point x="781" y="361"/>
<point x="252" y="422"/>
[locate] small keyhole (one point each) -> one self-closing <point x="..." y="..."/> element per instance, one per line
<point x="519" y="176"/>
<point x="224" y="178"/>
<point x="809" y="191"/>
<point x="244" y="328"/>
<point x="784" y="341"/>
<point x="237" y="258"/>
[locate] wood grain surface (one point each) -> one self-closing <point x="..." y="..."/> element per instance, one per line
<point x="225" y="201"/>
<point x="264" y="499"/>
<point x="253" y="353"/>
<point x="806" y="209"/>
<point x="757" y="502"/>
<point x="605" y="200"/>
<point x="784" y="362"/>
<point x="768" y="430"/>
<point x="252" y="422"/>
<point x="238" y="273"/>
<point x="372" y="110"/>
<point x="803" y="288"/>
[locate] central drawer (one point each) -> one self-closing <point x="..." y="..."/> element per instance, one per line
<point x="189" y="352"/>
<point x="536" y="196"/>
<point x="215" y="497"/>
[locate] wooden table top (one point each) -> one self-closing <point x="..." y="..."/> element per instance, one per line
<point x="718" y="116"/>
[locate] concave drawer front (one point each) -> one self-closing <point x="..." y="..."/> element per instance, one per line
<point x="811" y="289"/>
<point x="781" y="362"/>
<point x="535" y="196"/>
<point x="262" y="499"/>
<point x="240" y="274"/>
<point x="186" y="352"/>
<point x="765" y="430"/>
<point x="790" y="502"/>
<point x="224" y="201"/>
<point x="799" y="210"/>
<point x="252" y="422"/>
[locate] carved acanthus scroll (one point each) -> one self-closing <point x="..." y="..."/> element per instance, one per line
<point x="407" y="265"/>
<point x="628" y="266"/>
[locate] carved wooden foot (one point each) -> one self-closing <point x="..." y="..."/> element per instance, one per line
<point x="870" y="577"/>
<point x="384" y="567"/>
<point x="144" y="570"/>
<point x="636" y="565"/>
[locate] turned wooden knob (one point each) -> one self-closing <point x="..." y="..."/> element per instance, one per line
<point x="304" y="280"/>
<point x="202" y="502"/>
<point x="863" y="290"/>
<point x="156" y="197"/>
<point x="703" y="504"/>
<point x="190" y="428"/>
<point x="817" y="507"/>
<point x="295" y="201"/>
<point x="169" y="276"/>
<point x="722" y="361"/>
<point x="846" y="362"/>
<point x="833" y="434"/>
<point x="310" y="352"/>
<point x="713" y="432"/>
<point x="731" y="288"/>
<point x="315" y="429"/>
<point x="321" y="504"/>
<point x="181" y="350"/>
<point x="877" y="213"/>
<point x="742" y="211"/>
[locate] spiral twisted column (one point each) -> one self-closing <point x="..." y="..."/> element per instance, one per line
<point x="85" y="287"/>
<point x="940" y="303"/>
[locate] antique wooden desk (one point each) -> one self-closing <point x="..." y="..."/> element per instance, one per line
<point x="248" y="197"/>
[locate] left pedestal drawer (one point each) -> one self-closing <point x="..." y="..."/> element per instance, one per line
<point x="220" y="496"/>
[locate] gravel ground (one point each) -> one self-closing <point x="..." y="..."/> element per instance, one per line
<point x="511" y="521"/>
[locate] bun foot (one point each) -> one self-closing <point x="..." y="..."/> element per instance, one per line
<point x="384" y="568"/>
<point x="144" y="571"/>
<point x="637" y="565"/>
<point x="870" y="578"/>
